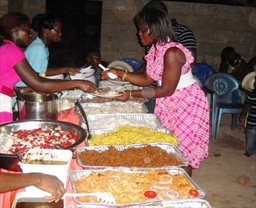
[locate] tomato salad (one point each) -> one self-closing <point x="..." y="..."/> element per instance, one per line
<point x="42" y="138"/>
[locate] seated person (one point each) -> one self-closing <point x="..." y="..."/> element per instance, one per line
<point x="232" y="63"/>
<point x="93" y="59"/>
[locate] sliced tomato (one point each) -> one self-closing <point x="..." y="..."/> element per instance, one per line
<point x="150" y="194"/>
<point x="193" y="193"/>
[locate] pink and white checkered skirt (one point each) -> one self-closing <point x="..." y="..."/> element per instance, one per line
<point x="186" y="114"/>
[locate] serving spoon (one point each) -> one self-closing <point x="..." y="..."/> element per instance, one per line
<point x="110" y="74"/>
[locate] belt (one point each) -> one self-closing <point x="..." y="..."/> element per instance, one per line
<point x="185" y="81"/>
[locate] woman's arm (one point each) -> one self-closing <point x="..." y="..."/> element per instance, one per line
<point x="63" y="70"/>
<point x="140" y="79"/>
<point x="40" y="84"/>
<point x="174" y="59"/>
<point x="48" y="183"/>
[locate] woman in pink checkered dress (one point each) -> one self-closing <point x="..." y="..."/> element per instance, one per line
<point x="180" y="103"/>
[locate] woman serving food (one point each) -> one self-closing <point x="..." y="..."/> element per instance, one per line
<point x="180" y="103"/>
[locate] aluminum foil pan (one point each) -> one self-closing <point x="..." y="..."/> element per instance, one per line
<point x="103" y="131"/>
<point x="169" y="148"/>
<point x="187" y="203"/>
<point x="78" y="174"/>
<point x="120" y="107"/>
<point x="109" y="121"/>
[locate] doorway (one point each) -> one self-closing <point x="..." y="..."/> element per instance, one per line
<point x="81" y="31"/>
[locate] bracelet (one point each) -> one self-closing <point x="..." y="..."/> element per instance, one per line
<point x="125" y="73"/>
<point x="130" y="95"/>
<point x="148" y="92"/>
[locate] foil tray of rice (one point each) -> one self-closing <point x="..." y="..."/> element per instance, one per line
<point x="112" y="121"/>
<point x="126" y="135"/>
<point x="135" y="186"/>
<point x="133" y="155"/>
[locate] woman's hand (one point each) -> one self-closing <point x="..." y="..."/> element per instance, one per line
<point x="125" y="96"/>
<point x="118" y="72"/>
<point x="72" y="70"/>
<point x="88" y="86"/>
<point x="52" y="185"/>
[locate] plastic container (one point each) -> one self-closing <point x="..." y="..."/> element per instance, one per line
<point x="49" y="161"/>
<point x="35" y="200"/>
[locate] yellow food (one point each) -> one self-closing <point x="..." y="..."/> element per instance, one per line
<point x="132" y="135"/>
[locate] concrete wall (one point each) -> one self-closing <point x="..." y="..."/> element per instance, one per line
<point x="214" y="26"/>
<point x="29" y="7"/>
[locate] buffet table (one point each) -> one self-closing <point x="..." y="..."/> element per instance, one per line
<point x="139" y="118"/>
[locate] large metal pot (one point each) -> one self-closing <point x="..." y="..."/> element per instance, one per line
<point x="37" y="106"/>
<point x="10" y="161"/>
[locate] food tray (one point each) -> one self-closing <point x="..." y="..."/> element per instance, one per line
<point x="107" y="121"/>
<point x="141" y="107"/>
<point x="52" y="156"/>
<point x="103" y="131"/>
<point x="170" y="149"/>
<point x="79" y="174"/>
<point x="187" y="203"/>
<point x="10" y="161"/>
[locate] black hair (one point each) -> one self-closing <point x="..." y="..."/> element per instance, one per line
<point x="10" y="21"/>
<point x="156" y="4"/>
<point x="45" y="20"/>
<point x="158" y="23"/>
<point x="225" y="53"/>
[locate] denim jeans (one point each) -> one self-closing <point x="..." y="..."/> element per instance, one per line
<point x="250" y="140"/>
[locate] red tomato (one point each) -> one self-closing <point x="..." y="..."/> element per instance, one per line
<point x="193" y="193"/>
<point x="150" y="194"/>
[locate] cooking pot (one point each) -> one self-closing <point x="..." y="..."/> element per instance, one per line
<point x="10" y="161"/>
<point x="37" y="106"/>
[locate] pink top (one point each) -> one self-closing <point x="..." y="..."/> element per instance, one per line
<point x="186" y="112"/>
<point x="10" y="55"/>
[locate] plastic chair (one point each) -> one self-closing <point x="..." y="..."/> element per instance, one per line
<point x="198" y="82"/>
<point x="222" y="88"/>
<point x="134" y="63"/>
<point x="203" y="71"/>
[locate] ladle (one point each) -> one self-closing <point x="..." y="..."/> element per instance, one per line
<point x="16" y="90"/>
<point x="85" y="118"/>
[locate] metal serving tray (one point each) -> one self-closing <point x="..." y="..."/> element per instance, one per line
<point x="169" y="148"/>
<point x="187" y="203"/>
<point x="103" y="131"/>
<point x="94" y="120"/>
<point x="141" y="107"/>
<point x="78" y="174"/>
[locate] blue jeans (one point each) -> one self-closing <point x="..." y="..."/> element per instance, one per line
<point x="250" y="140"/>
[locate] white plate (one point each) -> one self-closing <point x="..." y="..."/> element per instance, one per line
<point x="120" y="65"/>
<point x="108" y="94"/>
<point x="84" y="73"/>
<point x="120" y="82"/>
